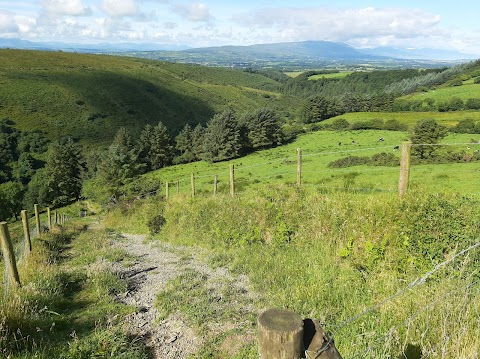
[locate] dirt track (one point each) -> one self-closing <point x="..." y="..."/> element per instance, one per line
<point x="154" y="265"/>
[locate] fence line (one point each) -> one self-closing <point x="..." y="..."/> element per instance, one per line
<point x="221" y="175"/>
<point x="17" y="251"/>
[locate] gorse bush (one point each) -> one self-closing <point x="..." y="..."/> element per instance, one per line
<point x="379" y="159"/>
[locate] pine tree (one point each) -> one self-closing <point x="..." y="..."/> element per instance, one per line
<point x="263" y="129"/>
<point x="119" y="164"/>
<point x="424" y="133"/>
<point x="198" y="134"/>
<point x="222" y="140"/>
<point x="184" y="145"/>
<point x="63" y="172"/>
<point x="156" y="146"/>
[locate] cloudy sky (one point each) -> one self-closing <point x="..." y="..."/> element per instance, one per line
<point x="441" y="24"/>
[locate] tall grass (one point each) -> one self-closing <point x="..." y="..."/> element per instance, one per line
<point x="65" y="308"/>
<point x="334" y="255"/>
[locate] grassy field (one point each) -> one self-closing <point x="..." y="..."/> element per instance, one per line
<point x="91" y="96"/>
<point x="346" y="258"/>
<point x="337" y="75"/>
<point x="278" y="166"/>
<point x="448" y="119"/>
<point x="466" y="91"/>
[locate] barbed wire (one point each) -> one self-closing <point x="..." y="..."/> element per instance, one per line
<point x="242" y="168"/>
<point x="417" y="313"/>
<point x="446" y="144"/>
<point x="354" y="168"/>
<point x="417" y="282"/>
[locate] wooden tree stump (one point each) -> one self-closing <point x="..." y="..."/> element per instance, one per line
<point x="280" y="334"/>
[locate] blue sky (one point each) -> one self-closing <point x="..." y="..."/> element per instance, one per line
<point x="436" y="24"/>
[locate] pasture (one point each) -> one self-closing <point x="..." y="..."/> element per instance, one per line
<point x="442" y="94"/>
<point x="279" y="165"/>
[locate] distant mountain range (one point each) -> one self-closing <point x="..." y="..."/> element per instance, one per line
<point x="305" y="54"/>
<point x="87" y="48"/>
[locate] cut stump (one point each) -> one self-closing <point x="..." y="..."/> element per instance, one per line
<point x="280" y="334"/>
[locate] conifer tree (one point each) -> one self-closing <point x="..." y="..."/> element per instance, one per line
<point x="63" y="172"/>
<point x="222" y="140"/>
<point x="156" y="147"/>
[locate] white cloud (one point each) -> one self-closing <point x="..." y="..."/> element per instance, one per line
<point x="7" y="22"/>
<point x="194" y="11"/>
<point x="120" y="8"/>
<point x="346" y="25"/>
<point x="66" y="7"/>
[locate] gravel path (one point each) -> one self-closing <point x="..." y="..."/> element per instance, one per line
<point x="154" y="265"/>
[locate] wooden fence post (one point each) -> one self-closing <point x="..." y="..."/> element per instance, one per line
<point x="404" y="168"/>
<point x="37" y="221"/>
<point x="280" y="334"/>
<point x="215" y="185"/>
<point x="56" y="218"/>
<point x="26" y="233"/>
<point x="49" y="216"/>
<point x="232" y="180"/>
<point x="9" y="255"/>
<point x="193" y="184"/>
<point x="299" y="168"/>
<point x="166" y="190"/>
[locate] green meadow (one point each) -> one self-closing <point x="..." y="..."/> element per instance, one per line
<point x="336" y="75"/>
<point x="442" y="94"/>
<point x="448" y="119"/>
<point x="279" y="166"/>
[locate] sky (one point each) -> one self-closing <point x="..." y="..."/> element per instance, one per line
<point x="439" y="24"/>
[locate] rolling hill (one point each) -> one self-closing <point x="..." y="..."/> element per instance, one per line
<point x="90" y="96"/>
<point x="297" y="55"/>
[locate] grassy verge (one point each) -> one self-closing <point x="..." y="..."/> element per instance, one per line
<point x="334" y="255"/>
<point x="65" y="307"/>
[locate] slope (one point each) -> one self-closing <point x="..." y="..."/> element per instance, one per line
<point x="90" y="96"/>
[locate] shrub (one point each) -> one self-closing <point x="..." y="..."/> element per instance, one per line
<point x="340" y="124"/>
<point x="156" y="223"/>
<point x="464" y="126"/>
<point x="473" y="104"/>
<point x="384" y="159"/>
<point x="394" y="125"/>
<point x="349" y="161"/>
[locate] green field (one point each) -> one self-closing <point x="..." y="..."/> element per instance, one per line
<point x="448" y="119"/>
<point x="279" y="165"/>
<point x="466" y="91"/>
<point x="336" y="75"/>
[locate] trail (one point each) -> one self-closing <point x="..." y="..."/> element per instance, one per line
<point x="154" y="265"/>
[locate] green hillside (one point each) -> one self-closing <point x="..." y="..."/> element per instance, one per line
<point x="90" y="96"/>
<point x="467" y="90"/>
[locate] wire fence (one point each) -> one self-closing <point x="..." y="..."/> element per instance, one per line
<point x="315" y="174"/>
<point x="315" y="171"/>
<point x="16" y="242"/>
